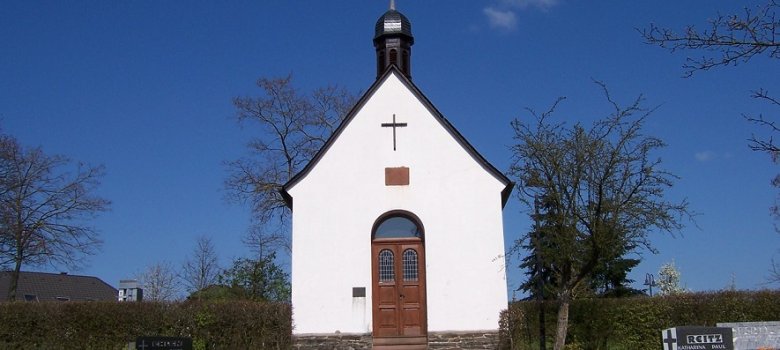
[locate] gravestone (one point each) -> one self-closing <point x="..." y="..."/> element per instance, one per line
<point x="755" y="335"/>
<point x="163" y="343"/>
<point x="697" y="338"/>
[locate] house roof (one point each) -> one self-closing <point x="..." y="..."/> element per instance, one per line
<point x="57" y="286"/>
<point x="393" y="70"/>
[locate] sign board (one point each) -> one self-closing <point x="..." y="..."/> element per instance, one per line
<point x="755" y="335"/>
<point x="697" y="338"/>
<point x="163" y="343"/>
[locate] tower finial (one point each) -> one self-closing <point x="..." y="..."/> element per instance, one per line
<point x="392" y="5"/>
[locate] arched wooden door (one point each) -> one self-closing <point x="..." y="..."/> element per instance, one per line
<point x="398" y="265"/>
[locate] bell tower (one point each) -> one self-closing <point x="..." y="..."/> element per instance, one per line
<point x="393" y="41"/>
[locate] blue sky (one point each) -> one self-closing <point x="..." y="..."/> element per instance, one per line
<point x="145" y="88"/>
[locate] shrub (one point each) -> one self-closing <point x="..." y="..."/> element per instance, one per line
<point x="111" y="325"/>
<point x="633" y="323"/>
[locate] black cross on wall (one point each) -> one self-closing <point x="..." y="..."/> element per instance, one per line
<point x="393" y="125"/>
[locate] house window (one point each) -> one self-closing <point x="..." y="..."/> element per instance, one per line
<point x="410" y="265"/>
<point x="62" y="298"/>
<point x="386" y="271"/>
<point x="30" y="297"/>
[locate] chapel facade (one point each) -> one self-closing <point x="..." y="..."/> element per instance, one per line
<point x="397" y="229"/>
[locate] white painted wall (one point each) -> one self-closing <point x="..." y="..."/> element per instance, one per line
<point x="336" y="204"/>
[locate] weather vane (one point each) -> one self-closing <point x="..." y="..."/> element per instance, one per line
<point x="392" y="5"/>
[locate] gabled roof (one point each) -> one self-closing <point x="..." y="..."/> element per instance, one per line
<point x="393" y="70"/>
<point x="54" y="287"/>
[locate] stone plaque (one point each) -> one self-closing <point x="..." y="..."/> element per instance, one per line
<point x="163" y="343"/>
<point x="755" y="335"/>
<point x="697" y="338"/>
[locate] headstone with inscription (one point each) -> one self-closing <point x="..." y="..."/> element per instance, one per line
<point x="697" y="338"/>
<point x="755" y="335"/>
<point x="163" y="343"/>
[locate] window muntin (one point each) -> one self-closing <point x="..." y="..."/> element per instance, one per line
<point x="386" y="266"/>
<point x="410" y="265"/>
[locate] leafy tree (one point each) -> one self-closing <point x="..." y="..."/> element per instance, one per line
<point x="258" y="279"/>
<point x="669" y="280"/>
<point x="160" y="282"/>
<point x="602" y="192"/>
<point x="292" y="127"/>
<point x="202" y="268"/>
<point x="730" y="40"/>
<point x="46" y="203"/>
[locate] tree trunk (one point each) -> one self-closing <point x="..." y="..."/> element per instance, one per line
<point x="14" y="280"/>
<point x="563" y="322"/>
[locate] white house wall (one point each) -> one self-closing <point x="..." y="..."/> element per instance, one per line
<point x="338" y="201"/>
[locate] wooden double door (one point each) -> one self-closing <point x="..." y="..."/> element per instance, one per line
<point x="399" y="304"/>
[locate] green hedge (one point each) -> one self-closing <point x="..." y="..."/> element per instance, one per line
<point x="112" y="325"/>
<point x="633" y="323"/>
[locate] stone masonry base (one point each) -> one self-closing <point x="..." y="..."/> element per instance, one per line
<point x="436" y="340"/>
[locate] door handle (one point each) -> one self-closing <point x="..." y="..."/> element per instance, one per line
<point x="402" y="296"/>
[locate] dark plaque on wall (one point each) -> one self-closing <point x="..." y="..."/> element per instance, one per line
<point x="163" y="343"/>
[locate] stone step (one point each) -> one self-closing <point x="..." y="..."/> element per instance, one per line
<point x="401" y="343"/>
<point x="401" y="347"/>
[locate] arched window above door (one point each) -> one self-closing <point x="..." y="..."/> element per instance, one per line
<point x="397" y="226"/>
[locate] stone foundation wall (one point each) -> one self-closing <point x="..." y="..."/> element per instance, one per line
<point x="438" y="341"/>
<point x="458" y="341"/>
<point x="333" y="342"/>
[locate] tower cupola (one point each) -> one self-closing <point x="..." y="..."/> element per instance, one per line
<point x="393" y="41"/>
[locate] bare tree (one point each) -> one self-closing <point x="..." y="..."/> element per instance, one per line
<point x="600" y="190"/>
<point x="201" y="269"/>
<point x="729" y="40"/>
<point x="159" y="282"/>
<point x="262" y="242"/>
<point x="292" y="127"/>
<point x="774" y="272"/>
<point x="46" y="203"/>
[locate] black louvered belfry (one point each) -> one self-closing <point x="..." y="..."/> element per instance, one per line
<point x="393" y="41"/>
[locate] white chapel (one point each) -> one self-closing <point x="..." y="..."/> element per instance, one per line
<point x="397" y="228"/>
